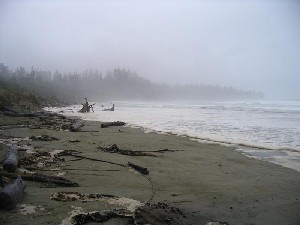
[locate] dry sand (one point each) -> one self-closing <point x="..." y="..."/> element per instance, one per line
<point x="210" y="181"/>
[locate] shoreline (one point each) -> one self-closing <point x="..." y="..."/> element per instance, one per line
<point x="275" y="152"/>
<point x="257" y="152"/>
<point x="210" y="181"/>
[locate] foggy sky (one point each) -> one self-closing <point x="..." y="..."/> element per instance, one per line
<point x="253" y="45"/>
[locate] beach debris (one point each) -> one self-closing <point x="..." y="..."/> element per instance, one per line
<point x="41" y="159"/>
<point x="86" y="107"/>
<point x="43" y="138"/>
<point x="12" y="194"/>
<point x="13" y="126"/>
<point x="165" y="213"/>
<point x="154" y="214"/>
<point x="11" y="160"/>
<point x="13" y="113"/>
<point x="33" y="176"/>
<point x="17" y="114"/>
<point x="115" y="123"/>
<point x="115" y="149"/>
<point x="76" y="196"/>
<point x="54" y="122"/>
<point x="110" y="109"/>
<point x="142" y="170"/>
<point x="76" y="126"/>
<point x="98" y="216"/>
<point x="164" y="150"/>
<point x="70" y="153"/>
<point x="74" y="140"/>
<point x="26" y="209"/>
<point x="129" y="205"/>
<point x="78" y="216"/>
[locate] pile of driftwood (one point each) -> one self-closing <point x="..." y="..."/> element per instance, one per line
<point x="12" y="178"/>
<point x="136" y="212"/>
<point x="46" y="120"/>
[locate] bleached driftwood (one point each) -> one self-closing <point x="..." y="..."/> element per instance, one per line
<point x="86" y="107"/>
<point x="76" y="126"/>
<point x="12" y="194"/>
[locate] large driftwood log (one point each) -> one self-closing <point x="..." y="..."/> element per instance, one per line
<point x="42" y="178"/>
<point x="142" y="170"/>
<point x="76" y="126"/>
<point x="10" y="161"/>
<point x="12" y="194"/>
<point x="116" y="123"/>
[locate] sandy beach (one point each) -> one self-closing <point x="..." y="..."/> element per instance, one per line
<point x="208" y="182"/>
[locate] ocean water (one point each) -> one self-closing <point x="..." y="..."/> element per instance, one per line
<point x="264" y="130"/>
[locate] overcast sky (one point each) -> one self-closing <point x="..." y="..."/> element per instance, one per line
<point x="253" y="45"/>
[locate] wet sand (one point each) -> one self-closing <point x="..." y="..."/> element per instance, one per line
<point x="210" y="182"/>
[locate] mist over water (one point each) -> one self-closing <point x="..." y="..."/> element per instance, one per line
<point x="264" y="130"/>
<point x="251" y="45"/>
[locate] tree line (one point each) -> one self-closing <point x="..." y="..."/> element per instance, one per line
<point x="116" y="84"/>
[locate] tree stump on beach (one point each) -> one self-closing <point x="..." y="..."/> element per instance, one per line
<point x="12" y="194"/>
<point x="86" y="107"/>
<point x="10" y="161"/>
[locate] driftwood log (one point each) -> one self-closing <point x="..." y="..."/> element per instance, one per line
<point x="10" y="161"/>
<point x="12" y="194"/>
<point x="142" y="170"/>
<point x="88" y="158"/>
<point x="76" y="126"/>
<point x="109" y="124"/>
<point x="115" y="149"/>
<point x="61" y="181"/>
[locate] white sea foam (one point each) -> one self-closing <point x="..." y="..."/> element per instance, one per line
<point x="255" y="127"/>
